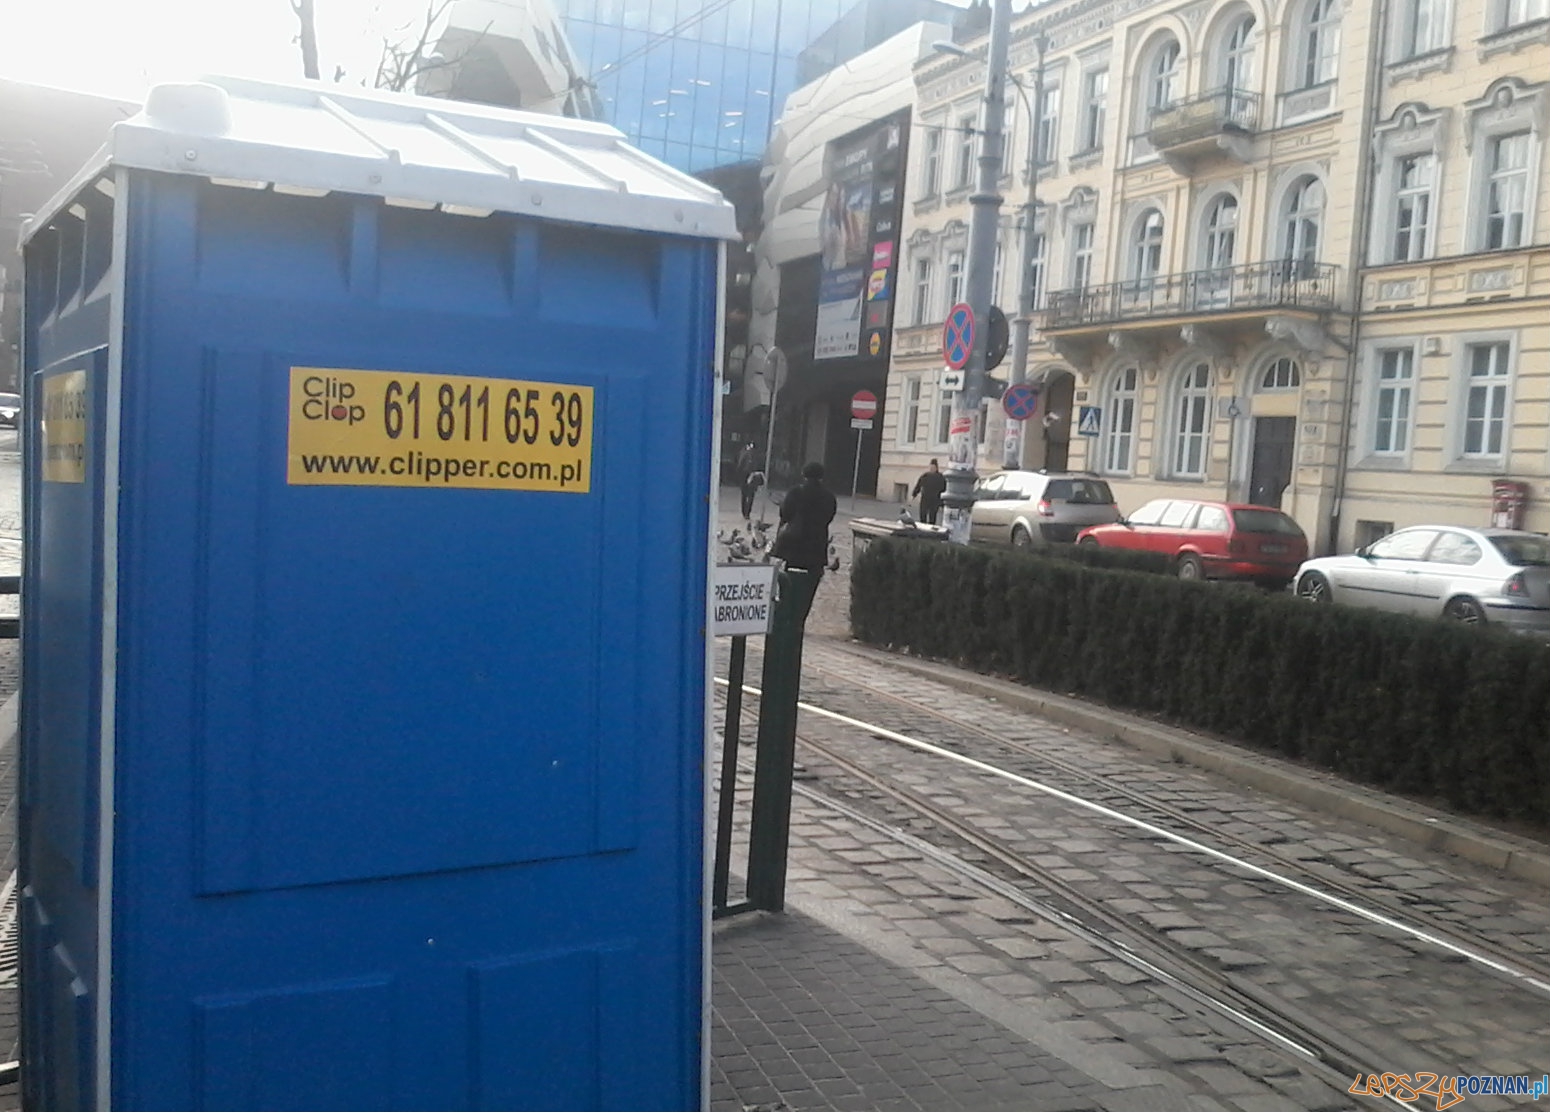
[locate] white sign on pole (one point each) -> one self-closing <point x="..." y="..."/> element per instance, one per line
<point x="951" y="380"/>
<point x="861" y="423"/>
<point x="744" y="599"/>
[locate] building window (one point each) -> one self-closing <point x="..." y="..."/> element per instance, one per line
<point x="954" y="281"/>
<point x="1391" y="414"/>
<point x="921" y="305"/>
<point x="1119" y="423"/>
<point x="1049" y="125"/>
<point x="1507" y="161"/>
<point x="1282" y="374"/>
<point x="931" y="163"/>
<point x="1146" y="250"/>
<point x="1515" y="12"/>
<point x="1318" y="41"/>
<point x="1237" y="69"/>
<point x="909" y="411"/>
<point x="1163" y="76"/>
<point x="965" y="151"/>
<point x="1081" y="256"/>
<point x="1192" y="426"/>
<point x="1036" y="270"/>
<point x="944" y="416"/>
<point x="1221" y="233"/>
<point x="1095" y="99"/>
<point x="1412" y="206"/>
<point x="1422" y="27"/>
<point x="1302" y="218"/>
<point x="1485" y="403"/>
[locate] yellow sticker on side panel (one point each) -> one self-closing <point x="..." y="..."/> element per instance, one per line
<point x="393" y="429"/>
<point x="64" y="427"/>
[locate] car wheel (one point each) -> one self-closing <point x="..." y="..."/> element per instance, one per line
<point x="1314" y="588"/>
<point x="1021" y="538"/>
<point x="1189" y="568"/>
<point x="1465" y="610"/>
<point x="1089" y="543"/>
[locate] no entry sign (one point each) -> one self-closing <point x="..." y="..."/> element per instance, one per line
<point x="863" y="404"/>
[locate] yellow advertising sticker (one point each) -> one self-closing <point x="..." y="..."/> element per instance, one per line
<point x="64" y="427"/>
<point x="392" y="429"/>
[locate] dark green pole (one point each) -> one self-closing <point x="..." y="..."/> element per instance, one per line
<point x="769" y="831"/>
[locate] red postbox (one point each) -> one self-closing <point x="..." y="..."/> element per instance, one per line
<point x="1508" y="499"/>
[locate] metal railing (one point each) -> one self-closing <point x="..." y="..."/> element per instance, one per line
<point x="1283" y="284"/>
<point x="1202" y="116"/>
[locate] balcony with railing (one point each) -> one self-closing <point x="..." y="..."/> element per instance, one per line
<point x="1204" y="127"/>
<point x="1250" y="293"/>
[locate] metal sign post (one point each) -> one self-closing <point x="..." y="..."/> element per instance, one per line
<point x="863" y="404"/>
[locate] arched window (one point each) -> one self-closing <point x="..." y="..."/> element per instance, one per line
<point x="1192" y="421"/>
<point x="1147" y="247"/>
<point x="1237" y="61"/>
<point x="1282" y="374"/>
<point x="1163" y="75"/>
<point x="1302" y="216"/>
<point x="1318" y="43"/>
<point x="1221" y="233"/>
<point x="1119" y="422"/>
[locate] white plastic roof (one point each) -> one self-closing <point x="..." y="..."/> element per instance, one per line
<point x="419" y="151"/>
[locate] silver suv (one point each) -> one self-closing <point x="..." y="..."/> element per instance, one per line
<point x="1028" y="508"/>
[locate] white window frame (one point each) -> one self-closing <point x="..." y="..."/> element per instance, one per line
<point x="1412" y="199"/>
<point x="1407" y="357"/>
<point x="1421" y="27"/>
<point x="1095" y="107"/>
<point x="953" y="286"/>
<point x="1412" y="130"/>
<point x="920" y="290"/>
<point x="1191" y="419"/>
<point x="911" y="393"/>
<point x="1237" y="66"/>
<point x="1083" y="235"/>
<point x="965" y="155"/>
<point x="1510" y="180"/>
<point x="1147" y="253"/>
<point x="1509" y="106"/>
<point x="931" y="162"/>
<point x="1047" y="134"/>
<point x="1162" y="83"/>
<point x="1466" y="384"/>
<point x="1262" y="385"/>
<point x="1515" y="13"/>
<point x="1121" y="408"/>
<point x="1317" y="44"/>
<point x="942" y="417"/>
<point x="1214" y="233"/>
<point x="1292" y="224"/>
<point x="1038" y="264"/>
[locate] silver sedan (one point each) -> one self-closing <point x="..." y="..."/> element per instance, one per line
<point x="1500" y="576"/>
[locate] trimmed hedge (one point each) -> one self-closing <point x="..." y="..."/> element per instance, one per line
<point x="1414" y="706"/>
<point x="1095" y="556"/>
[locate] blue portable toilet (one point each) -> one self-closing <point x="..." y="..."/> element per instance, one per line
<point x="368" y="464"/>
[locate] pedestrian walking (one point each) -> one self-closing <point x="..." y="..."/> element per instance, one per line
<point x="803" y="539"/>
<point x="929" y="487"/>
<point x="749" y="477"/>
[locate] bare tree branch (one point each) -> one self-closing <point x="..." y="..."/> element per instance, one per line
<point x="309" y="37"/>
<point x="403" y="63"/>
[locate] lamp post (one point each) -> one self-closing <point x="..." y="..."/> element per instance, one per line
<point x="1022" y="326"/>
<point x="985" y="202"/>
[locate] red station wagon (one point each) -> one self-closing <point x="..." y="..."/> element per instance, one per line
<point x="1212" y="540"/>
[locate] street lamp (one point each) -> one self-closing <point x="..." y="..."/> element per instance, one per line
<point x="1022" y="327"/>
<point x="985" y="209"/>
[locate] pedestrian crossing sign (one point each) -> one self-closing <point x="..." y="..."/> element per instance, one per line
<point x="1088" y="420"/>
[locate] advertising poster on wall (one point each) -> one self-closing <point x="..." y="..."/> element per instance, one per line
<point x="859" y="239"/>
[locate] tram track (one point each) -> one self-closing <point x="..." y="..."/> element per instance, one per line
<point x="1365" y="899"/>
<point x="1328" y="1055"/>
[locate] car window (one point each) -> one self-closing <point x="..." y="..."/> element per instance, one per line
<point x="1058" y="489"/>
<point x="1175" y="514"/>
<point x="1148" y="514"/>
<point x="1266" y="521"/>
<point x="1090" y="492"/>
<point x="1213" y="518"/>
<point x="1409" y="544"/>
<point x="1454" y="548"/>
<point x="1524" y="552"/>
<point x="989" y="488"/>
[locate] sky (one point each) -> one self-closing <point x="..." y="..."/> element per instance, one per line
<point x="121" y="48"/>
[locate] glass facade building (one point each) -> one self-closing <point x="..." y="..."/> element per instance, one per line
<point x="695" y="83"/>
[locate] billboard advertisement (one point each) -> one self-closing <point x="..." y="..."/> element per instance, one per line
<point x="858" y="235"/>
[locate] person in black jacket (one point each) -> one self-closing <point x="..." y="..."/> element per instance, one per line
<point x="803" y="540"/>
<point x="929" y="487"/>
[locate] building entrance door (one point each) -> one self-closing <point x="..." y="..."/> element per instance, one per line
<point x="1271" y="472"/>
